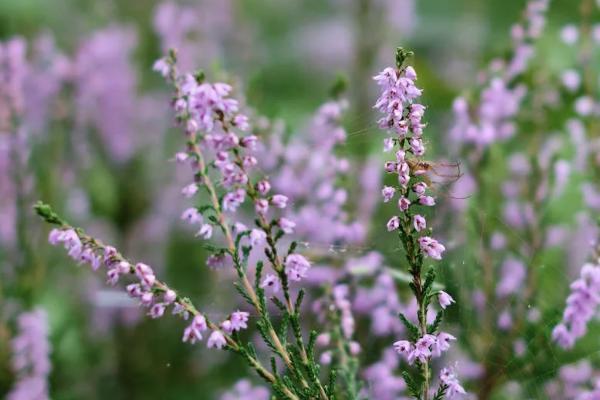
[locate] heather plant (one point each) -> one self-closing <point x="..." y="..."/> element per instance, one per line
<point x="222" y="161"/>
<point x="210" y="118"/>
<point x="298" y="262"/>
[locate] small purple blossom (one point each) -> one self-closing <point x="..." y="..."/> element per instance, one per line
<point x="431" y="247"/>
<point x="403" y="204"/>
<point x="239" y="320"/>
<point x="287" y="225"/>
<point x="419" y="223"/>
<point x="445" y="299"/>
<point x="216" y="340"/>
<point x="393" y="223"/>
<point x="296" y="267"/>
<point x="279" y="201"/>
<point x="190" y="190"/>
<point x="272" y="282"/>
<point x="387" y="193"/>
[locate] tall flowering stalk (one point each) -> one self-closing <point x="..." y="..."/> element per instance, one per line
<point x="211" y="119"/>
<point x="402" y="119"/>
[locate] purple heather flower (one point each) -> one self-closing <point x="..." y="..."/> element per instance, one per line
<point x="157" y="310"/>
<point x="170" y="296"/>
<point x="279" y="201"/>
<point x="393" y="223"/>
<point x="216" y="340"/>
<point x="387" y="192"/>
<point x="403" y="347"/>
<point x="112" y="276"/>
<point x="296" y="267"/>
<point x="263" y="187"/>
<point x="272" y="282"/>
<point x="145" y="274"/>
<point x="419" y="188"/>
<point x="445" y="299"/>
<point x="181" y="157"/>
<point x="193" y="332"/>
<point x="162" y="67"/>
<point x="257" y="237"/>
<point x="205" y="231"/>
<point x="190" y="190"/>
<point x="261" y="206"/>
<point x="403" y="203"/>
<point x="232" y="200"/>
<point x="239" y="320"/>
<point x="431" y="247"/>
<point x="192" y="215"/>
<point x="286" y="225"/>
<point x="441" y="344"/>
<point x="422" y="349"/>
<point x="134" y="290"/>
<point x="146" y="299"/>
<point x="427" y="201"/>
<point x="584" y="106"/>
<point x="449" y="379"/>
<point x="419" y="222"/>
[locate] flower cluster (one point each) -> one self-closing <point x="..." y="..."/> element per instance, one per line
<point x="403" y="118"/>
<point x="427" y="347"/>
<point x="151" y="293"/>
<point x="500" y="99"/>
<point x="581" y="307"/>
<point x="449" y="380"/>
<point x="30" y="359"/>
<point x="210" y="117"/>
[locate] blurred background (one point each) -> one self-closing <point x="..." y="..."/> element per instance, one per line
<point x="100" y="143"/>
